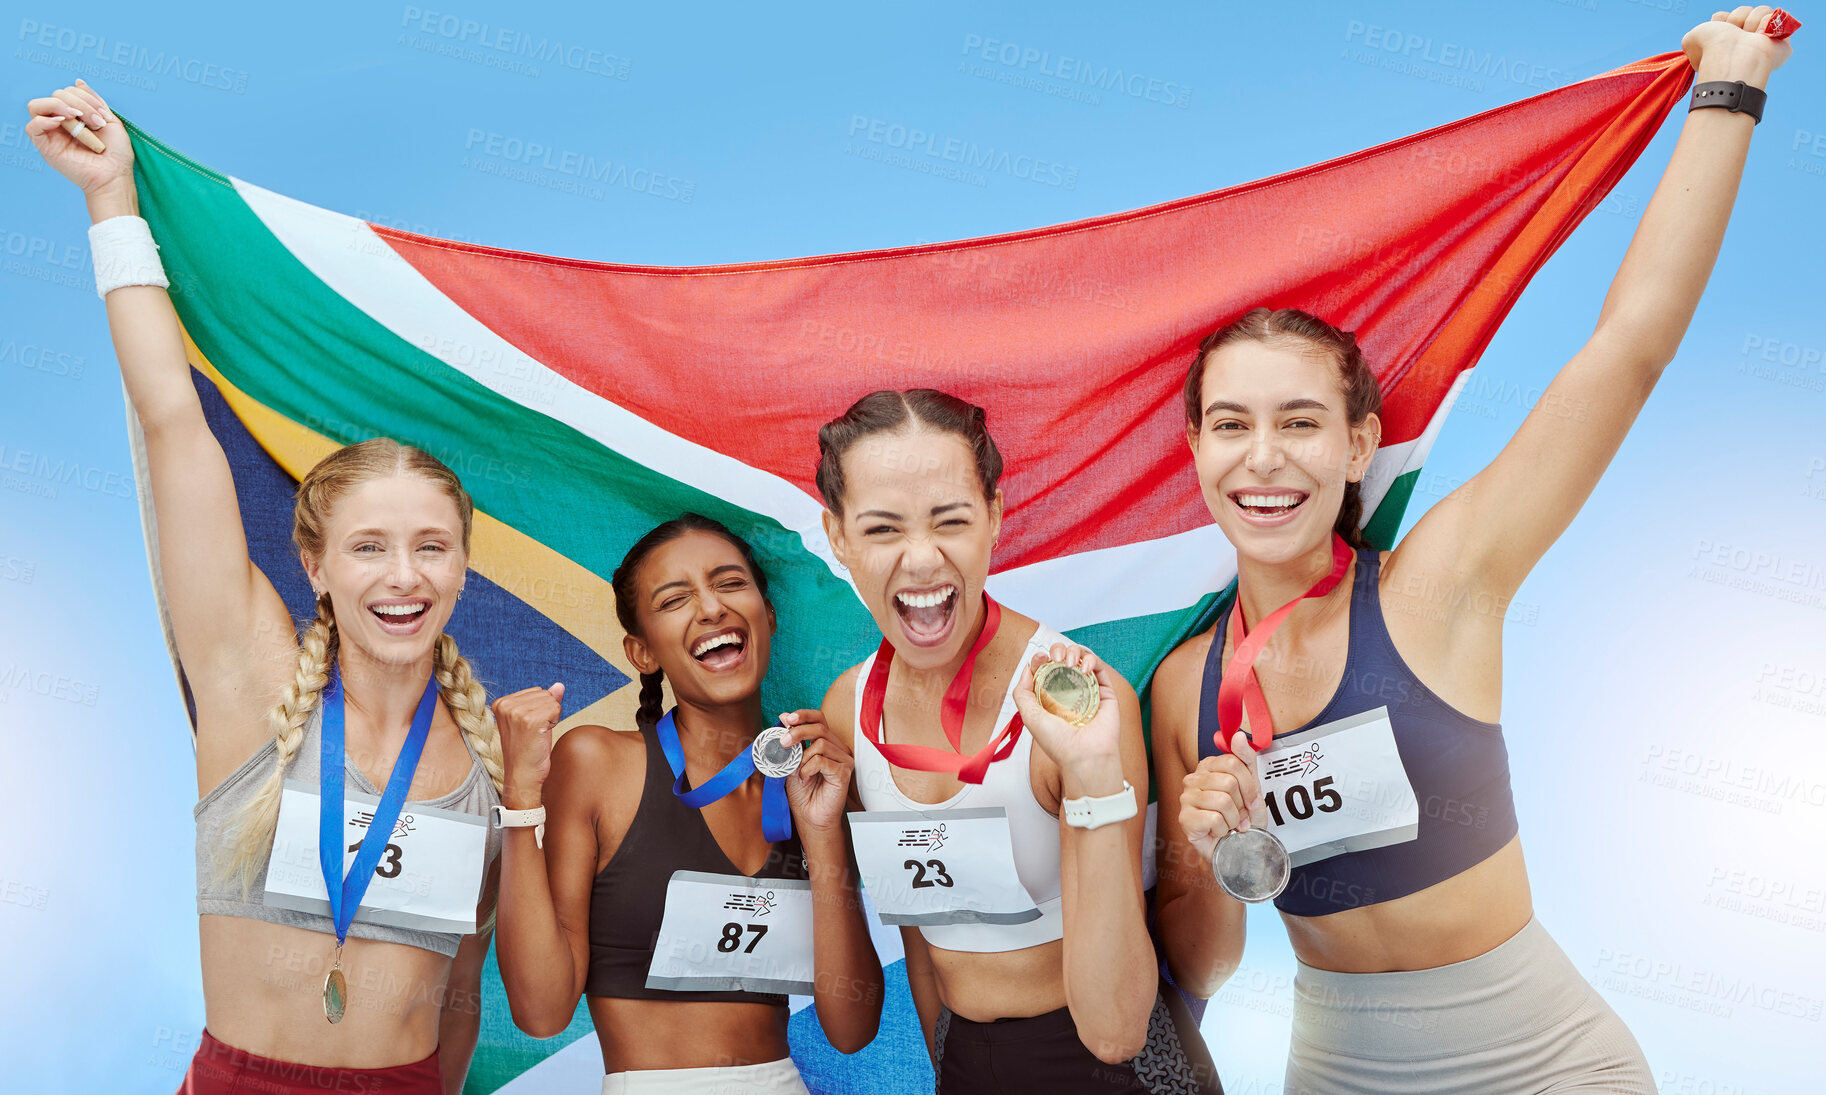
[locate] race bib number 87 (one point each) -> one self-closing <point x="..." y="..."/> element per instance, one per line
<point x="729" y="932"/>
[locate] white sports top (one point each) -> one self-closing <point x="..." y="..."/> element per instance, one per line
<point x="1008" y="784"/>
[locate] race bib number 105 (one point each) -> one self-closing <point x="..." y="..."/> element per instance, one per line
<point x="1339" y="788"/>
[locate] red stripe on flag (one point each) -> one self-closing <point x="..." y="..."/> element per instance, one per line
<point x="1076" y="337"/>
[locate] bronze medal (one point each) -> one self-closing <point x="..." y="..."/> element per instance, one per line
<point x="335" y="990"/>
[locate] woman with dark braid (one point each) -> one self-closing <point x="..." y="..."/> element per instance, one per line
<point x="679" y="889"/>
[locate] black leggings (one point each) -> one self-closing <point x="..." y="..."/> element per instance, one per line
<point x="1044" y="1055"/>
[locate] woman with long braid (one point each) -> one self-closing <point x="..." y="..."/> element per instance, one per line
<point x="680" y="890"/>
<point x="381" y="993"/>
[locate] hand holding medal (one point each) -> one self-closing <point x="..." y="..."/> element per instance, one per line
<point x="818" y="779"/>
<point x="1067" y="702"/>
<point x="1252" y="864"/>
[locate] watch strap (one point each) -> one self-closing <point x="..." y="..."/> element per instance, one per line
<point x="1093" y="813"/>
<point x="1732" y="95"/>
<point x="522" y="819"/>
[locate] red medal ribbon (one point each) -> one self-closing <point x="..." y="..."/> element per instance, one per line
<point x="1239" y="688"/>
<point x="923" y="758"/>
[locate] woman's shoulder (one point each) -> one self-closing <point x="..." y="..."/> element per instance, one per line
<point x="1184" y="668"/>
<point x="599" y="752"/>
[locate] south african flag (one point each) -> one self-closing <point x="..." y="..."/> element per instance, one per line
<point x="584" y="402"/>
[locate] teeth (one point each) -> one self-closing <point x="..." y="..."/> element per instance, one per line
<point x="925" y="600"/>
<point x="727" y="638"/>
<point x="1269" y="501"/>
<point x="397" y="610"/>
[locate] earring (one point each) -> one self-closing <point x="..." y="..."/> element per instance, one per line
<point x="459" y="593"/>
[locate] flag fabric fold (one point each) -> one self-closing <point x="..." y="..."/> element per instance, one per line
<point x="583" y="402"/>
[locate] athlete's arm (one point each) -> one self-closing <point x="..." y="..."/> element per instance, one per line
<point x="1110" y="978"/>
<point x="923" y="983"/>
<point x="460" y="1021"/>
<point x="1490" y="532"/>
<point x="1200" y="926"/>
<point x="231" y="627"/>
<point x="847" y="988"/>
<point x="543" y="928"/>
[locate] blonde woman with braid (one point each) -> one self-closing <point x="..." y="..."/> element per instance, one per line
<point x="382" y="994"/>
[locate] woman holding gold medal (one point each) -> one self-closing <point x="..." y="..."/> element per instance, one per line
<point x="686" y="877"/>
<point x="367" y="735"/>
<point x="1006" y="846"/>
<point x="1347" y="687"/>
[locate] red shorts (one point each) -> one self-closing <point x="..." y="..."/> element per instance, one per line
<point x="221" y="1069"/>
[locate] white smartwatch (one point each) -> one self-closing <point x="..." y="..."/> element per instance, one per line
<point x="1091" y="813"/>
<point x="520" y="819"/>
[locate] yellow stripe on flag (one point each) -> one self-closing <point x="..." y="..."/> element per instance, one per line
<point x="571" y="596"/>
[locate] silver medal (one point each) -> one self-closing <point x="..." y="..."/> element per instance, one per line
<point x="772" y="756"/>
<point x="1251" y="865"/>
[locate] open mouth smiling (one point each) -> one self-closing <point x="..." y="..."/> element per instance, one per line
<point x="721" y="650"/>
<point x="927" y="615"/>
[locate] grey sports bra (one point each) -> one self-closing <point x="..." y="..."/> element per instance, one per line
<point x="216" y="816"/>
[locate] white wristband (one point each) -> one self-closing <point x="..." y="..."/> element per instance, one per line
<point x="1092" y="813"/>
<point x="124" y="254"/>
<point x="521" y="819"/>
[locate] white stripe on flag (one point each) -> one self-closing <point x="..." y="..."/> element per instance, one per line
<point x="1071" y="591"/>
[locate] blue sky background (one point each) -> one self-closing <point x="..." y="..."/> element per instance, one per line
<point x="1665" y="689"/>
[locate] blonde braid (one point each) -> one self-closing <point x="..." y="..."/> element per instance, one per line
<point x="253" y="839"/>
<point x="468" y="703"/>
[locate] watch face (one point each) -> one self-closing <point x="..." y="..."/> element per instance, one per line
<point x="1251" y="865"/>
<point x="1066" y="691"/>
<point x="772" y="756"/>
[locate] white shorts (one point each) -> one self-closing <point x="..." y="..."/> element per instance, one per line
<point x="773" y="1078"/>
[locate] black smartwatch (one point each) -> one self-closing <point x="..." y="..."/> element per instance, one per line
<point x="1734" y="96"/>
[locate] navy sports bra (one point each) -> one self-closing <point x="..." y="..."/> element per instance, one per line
<point x="1457" y="765"/>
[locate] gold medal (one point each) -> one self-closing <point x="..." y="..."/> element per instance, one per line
<point x="335" y="990"/>
<point x="1067" y="692"/>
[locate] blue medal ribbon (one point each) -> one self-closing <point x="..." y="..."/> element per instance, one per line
<point x="776" y="814"/>
<point x="346" y="892"/>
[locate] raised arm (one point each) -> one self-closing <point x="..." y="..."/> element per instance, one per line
<point x="542" y="932"/>
<point x="1491" y="531"/>
<point x="1200" y="927"/>
<point x="232" y="629"/>
<point x="1110" y="978"/>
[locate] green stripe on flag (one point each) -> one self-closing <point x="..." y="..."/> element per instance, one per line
<point x="267" y="323"/>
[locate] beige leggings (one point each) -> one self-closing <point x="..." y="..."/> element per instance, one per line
<point x="1518" y="1020"/>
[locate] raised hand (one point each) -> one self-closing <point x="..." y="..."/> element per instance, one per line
<point x="94" y="172"/>
<point x="1732" y="46"/>
<point x="1088" y="755"/>
<point x="525" y="720"/>
<point x="819" y="791"/>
